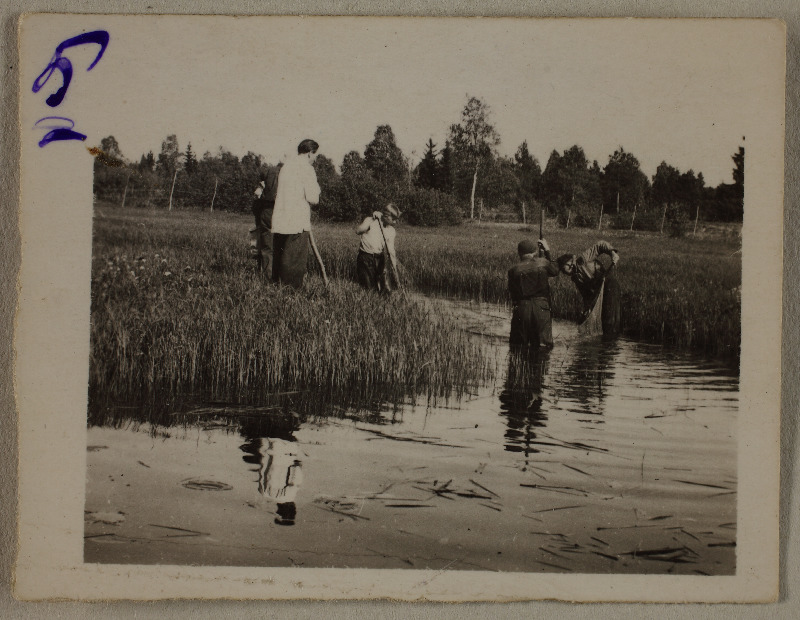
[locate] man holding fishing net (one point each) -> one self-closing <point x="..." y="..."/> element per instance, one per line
<point x="598" y="287"/>
<point x="529" y="287"/>
<point x="377" y="241"/>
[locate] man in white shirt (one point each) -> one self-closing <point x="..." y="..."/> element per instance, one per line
<point x="371" y="262"/>
<point x="291" y="220"/>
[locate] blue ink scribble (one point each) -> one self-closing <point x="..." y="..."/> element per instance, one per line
<point x="58" y="132"/>
<point x="62" y="64"/>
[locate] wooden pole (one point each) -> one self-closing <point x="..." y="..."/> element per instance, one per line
<point x="524" y="219"/>
<point x="569" y="215"/>
<point x="696" y="217"/>
<point x="541" y="222"/>
<point x="635" y="204"/>
<point x="541" y="228"/>
<point x="319" y="258"/>
<point x="600" y="223"/>
<point x="175" y="176"/>
<point x="472" y="195"/>
<point x="125" y="192"/>
<point x="663" y="217"/>
<point x="389" y="255"/>
<point x="216" y="180"/>
<point x="617" y="201"/>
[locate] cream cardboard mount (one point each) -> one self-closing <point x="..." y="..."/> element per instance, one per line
<point x="204" y="80"/>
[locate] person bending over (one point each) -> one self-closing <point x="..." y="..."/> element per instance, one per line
<point x="590" y="276"/>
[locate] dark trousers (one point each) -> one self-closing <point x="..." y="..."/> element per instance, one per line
<point x="531" y="324"/>
<point x="612" y="306"/>
<point x="263" y="217"/>
<point x="370" y="270"/>
<point x="290" y="258"/>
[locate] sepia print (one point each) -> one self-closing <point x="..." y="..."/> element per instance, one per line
<point x="475" y="301"/>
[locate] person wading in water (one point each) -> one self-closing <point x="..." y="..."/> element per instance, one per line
<point x="591" y="278"/>
<point x="529" y="287"/>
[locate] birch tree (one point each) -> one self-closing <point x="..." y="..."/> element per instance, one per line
<point x="474" y="141"/>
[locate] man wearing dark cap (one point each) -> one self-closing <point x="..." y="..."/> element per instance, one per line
<point x="529" y="288"/>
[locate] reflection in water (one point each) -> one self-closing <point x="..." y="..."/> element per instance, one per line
<point x="587" y="373"/>
<point x="522" y="397"/>
<point x="271" y="446"/>
<point x="580" y="377"/>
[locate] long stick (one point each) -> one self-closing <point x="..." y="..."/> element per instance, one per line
<point x="389" y="254"/>
<point x="541" y="226"/>
<point x="319" y="258"/>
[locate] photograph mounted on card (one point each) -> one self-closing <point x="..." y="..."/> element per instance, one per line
<point x="489" y="305"/>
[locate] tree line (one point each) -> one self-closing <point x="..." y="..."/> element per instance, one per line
<point x="465" y="178"/>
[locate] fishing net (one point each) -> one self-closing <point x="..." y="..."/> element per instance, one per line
<point x="592" y="325"/>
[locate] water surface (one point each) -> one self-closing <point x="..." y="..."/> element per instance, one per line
<point x="600" y="457"/>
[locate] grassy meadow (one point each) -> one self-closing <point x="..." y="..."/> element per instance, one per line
<point x="177" y="308"/>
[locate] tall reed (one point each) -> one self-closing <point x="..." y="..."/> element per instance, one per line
<point x="178" y="309"/>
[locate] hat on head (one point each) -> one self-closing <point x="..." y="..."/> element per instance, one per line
<point x="526" y="246"/>
<point x="390" y="209"/>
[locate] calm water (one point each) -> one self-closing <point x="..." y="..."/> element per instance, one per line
<point x="599" y="457"/>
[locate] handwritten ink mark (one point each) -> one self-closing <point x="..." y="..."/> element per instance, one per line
<point x="63" y="64"/>
<point x="58" y="132"/>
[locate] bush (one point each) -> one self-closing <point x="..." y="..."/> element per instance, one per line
<point x="429" y="207"/>
<point x="677" y="221"/>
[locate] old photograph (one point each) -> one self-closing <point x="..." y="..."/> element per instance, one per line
<point x="469" y="301"/>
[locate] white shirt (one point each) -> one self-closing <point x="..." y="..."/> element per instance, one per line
<point x="297" y="190"/>
<point x="281" y="470"/>
<point x="372" y="239"/>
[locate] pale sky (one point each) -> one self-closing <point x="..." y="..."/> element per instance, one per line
<point x="684" y="91"/>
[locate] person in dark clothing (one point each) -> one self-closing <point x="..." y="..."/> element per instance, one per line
<point x="529" y="287"/>
<point x="263" y="205"/>
<point x="591" y="277"/>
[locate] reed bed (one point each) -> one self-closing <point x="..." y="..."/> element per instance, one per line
<point x="178" y="309"/>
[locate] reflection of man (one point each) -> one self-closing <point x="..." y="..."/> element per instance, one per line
<point x="291" y="220"/>
<point x="521" y="399"/>
<point x="280" y="476"/>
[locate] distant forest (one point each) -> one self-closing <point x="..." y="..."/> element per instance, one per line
<point x="465" y="178"/>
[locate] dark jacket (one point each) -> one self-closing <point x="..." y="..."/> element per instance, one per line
<point x="528" y="279"/>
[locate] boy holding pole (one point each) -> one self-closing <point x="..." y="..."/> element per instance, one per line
<point x="377" y="240"/>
